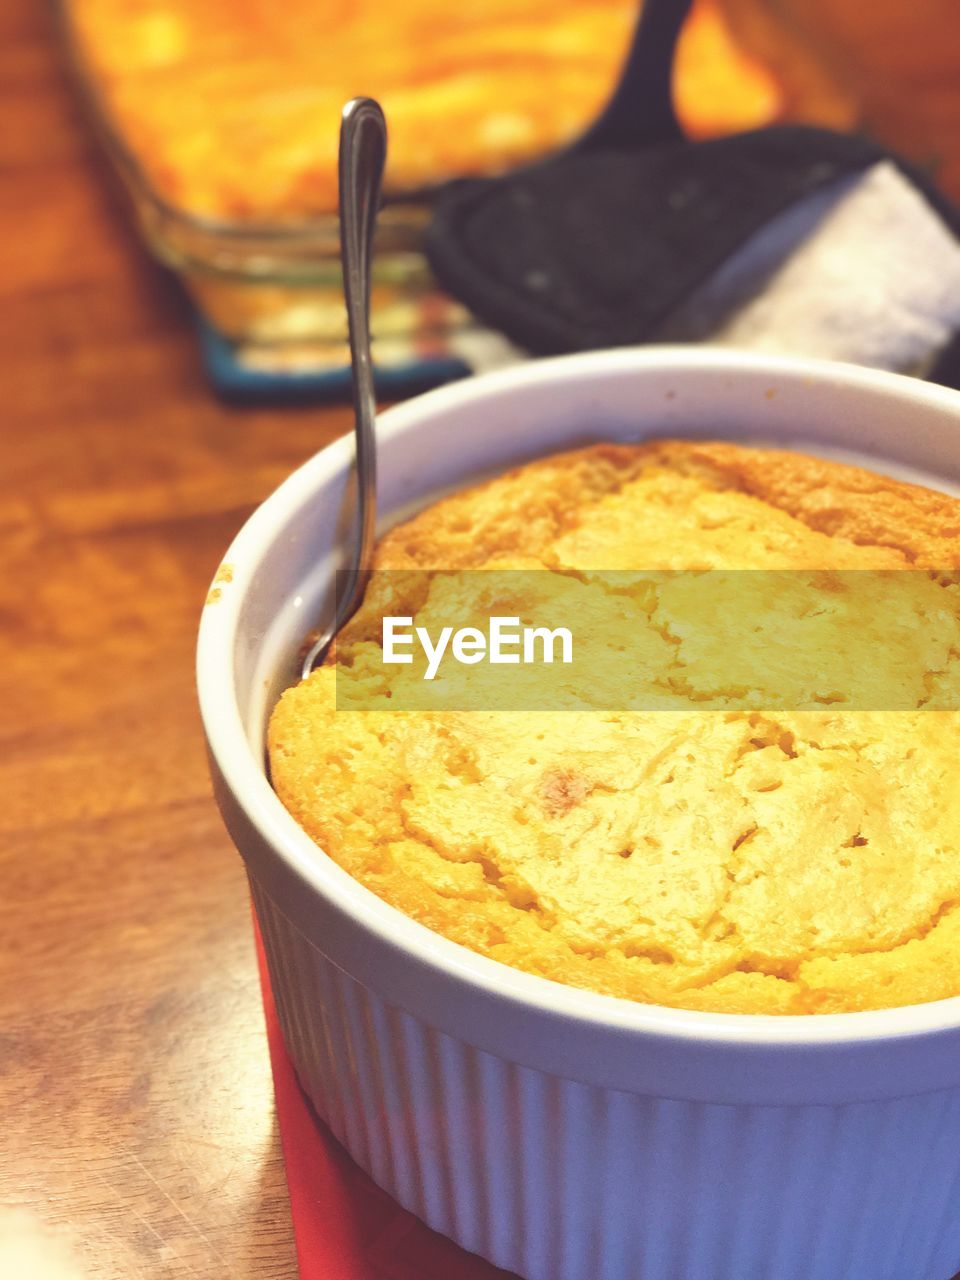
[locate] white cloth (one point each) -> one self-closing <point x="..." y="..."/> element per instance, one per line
<point x="876" y="281"/>
<point x="863" y="271"/>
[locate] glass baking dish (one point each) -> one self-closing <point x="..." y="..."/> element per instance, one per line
<point x="271" y="286"/>
<point x="274" y="288"/>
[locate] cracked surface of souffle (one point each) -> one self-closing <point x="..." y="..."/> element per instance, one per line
<point x="739" y="862"/>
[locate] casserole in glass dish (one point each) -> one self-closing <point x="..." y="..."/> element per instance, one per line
<point x="222" y="121"/>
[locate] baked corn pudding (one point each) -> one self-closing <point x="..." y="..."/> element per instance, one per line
<point x="231" y="107"/>
<point x="743" y="861"/>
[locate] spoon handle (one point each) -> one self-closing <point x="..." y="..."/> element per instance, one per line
<point x="363" y="150"/>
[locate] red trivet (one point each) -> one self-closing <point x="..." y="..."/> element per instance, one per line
<point x="345" y="1227"/>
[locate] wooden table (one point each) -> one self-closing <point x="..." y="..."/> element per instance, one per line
<point x="135" y="1091"/>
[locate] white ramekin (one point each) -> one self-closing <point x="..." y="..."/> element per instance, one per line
<point x="562" y="1134"/>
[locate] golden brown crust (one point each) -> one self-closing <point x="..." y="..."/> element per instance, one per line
<point x="466" y="529"/>
<point x="232" y="108"/>
<point x="834" y="498"/>
<point x="733" y="861"/>
<point x="920" y="526"/>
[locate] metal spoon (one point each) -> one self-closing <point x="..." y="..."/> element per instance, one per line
<point x="363" y="150"/>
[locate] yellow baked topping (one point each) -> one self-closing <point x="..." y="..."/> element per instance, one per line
<point x="737" y="861"/>
<point x="232" y="106"/>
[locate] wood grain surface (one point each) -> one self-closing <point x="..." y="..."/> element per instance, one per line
<point x="136" y="1102"/>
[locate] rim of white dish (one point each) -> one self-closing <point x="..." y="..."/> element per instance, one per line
<point x="244" y="774"/>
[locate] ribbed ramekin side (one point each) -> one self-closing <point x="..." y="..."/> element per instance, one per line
<point x="560" y="1180"/>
